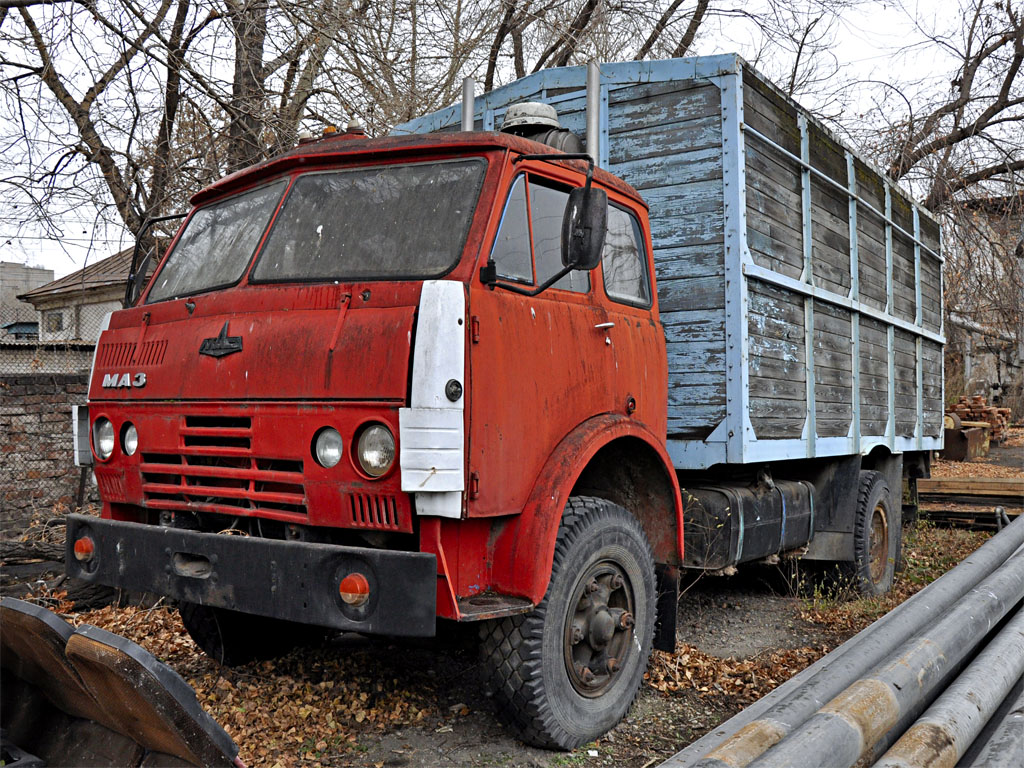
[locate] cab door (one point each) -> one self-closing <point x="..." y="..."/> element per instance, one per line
<point x="539" y="365"/>
<point x="640" y="379"/>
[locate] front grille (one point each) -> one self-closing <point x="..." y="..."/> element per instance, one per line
<point x="111" y="487"/>
<point x="216" y="473"/>
<point x="374" y="511"/>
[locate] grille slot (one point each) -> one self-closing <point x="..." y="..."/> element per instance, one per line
<point x="233" y="432"/>
<point x="374" y="511"/>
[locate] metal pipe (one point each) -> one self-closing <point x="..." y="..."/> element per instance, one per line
<point x="1002" y="742"/>
<point x="943" y="733"/>
<point x="864" y="719"/>
<point x="741" y="739"/>
<point x="468" y="107"/>
<point x="594" y="111"/>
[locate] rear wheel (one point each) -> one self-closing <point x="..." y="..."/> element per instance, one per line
<point x="876" y="537"/>
<point x="567" y="672"/>
<point x="232" y="638"/>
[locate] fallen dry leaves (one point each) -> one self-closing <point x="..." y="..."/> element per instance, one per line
<point x="745" y="680"/>
<point x="299" y="709"/>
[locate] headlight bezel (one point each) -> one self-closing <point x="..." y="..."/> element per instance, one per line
<point x="129" y="438"/>
<point x="108" y="437"/>
<point x="361" y="448"/>
<point x="320" y="444"/>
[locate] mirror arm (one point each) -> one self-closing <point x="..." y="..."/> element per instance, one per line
<point x="137" y="272"/>
<point x="489" y="277"/>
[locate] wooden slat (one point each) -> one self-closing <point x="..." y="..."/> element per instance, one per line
<point x="973" y="486"/>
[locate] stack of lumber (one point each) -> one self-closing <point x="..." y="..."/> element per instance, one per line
<point x="970" y="501"/>
<point x="977" y="409"/>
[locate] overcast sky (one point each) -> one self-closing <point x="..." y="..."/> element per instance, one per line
<point x="871" y="44"/>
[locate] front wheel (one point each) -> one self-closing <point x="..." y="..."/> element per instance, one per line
<point x="567" y="672"/>
<point x="232" y="638"/>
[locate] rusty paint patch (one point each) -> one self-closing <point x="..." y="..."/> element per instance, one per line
<point x="870" y="706"/>
<point x="925" y="745"/>
<point x="748" y="743"/>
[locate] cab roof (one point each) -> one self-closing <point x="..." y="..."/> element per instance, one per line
<point x="342" y="147"/>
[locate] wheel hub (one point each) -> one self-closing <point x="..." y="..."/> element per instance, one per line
<point x="878" y="542"/>
<point x="598" y="628"/>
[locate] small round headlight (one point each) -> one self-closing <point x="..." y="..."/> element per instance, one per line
<point x="129" y="439"/>
<point x="376" y="450"/>
<point x="328" y="447"/>
<point x="103" y="438"/>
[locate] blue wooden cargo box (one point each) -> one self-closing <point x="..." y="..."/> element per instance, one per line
<point x="800" y="289"/>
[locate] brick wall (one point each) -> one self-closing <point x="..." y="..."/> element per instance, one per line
<point x="37" y="471"/>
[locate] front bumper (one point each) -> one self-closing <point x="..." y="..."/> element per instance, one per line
<point x="291" y="580"/>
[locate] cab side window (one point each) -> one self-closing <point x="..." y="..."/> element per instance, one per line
<point x="528" y="245"/>
<point x="547" y="206"/>
<point x="511" y="252"/>
<point x="623" y="260"/>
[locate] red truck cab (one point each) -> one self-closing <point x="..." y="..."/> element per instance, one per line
<point x="337" y="404"/>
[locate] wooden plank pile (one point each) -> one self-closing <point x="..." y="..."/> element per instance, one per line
<point x="977" y="409"/>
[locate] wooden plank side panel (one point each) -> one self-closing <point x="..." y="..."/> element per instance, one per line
<point x="931" y="387"/>
<point x="665" y="139"/>
<point x="774" y="231"/>
<point x="830" y="237"/>
<point x="906" y="384"/>
<point x="931" y="306"/>
<point x="904" y="282"/>
<point x="777" y="361"/>
<point x="833" y="354"/>
<point x="874" y="382"/>
<point x="871" y="258"/>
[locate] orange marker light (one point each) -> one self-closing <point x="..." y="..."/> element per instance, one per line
<point x="84" y="549"/>
<point x="354" y="589"/>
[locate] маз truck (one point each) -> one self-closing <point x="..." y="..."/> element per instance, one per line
<point x="471" y="375"/>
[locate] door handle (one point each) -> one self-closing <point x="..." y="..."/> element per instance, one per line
<point x="605" y="325"/>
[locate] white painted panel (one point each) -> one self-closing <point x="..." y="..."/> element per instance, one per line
<point x="439" y="354"/>
<point x="431" y="449"/>
<point x="432" y="431"/>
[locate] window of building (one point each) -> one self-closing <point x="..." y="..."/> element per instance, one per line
<point x="53" y="321"/>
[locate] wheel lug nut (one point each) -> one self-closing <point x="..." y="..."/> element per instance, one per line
<point x="577" y="634"/>
<point x="617" y="581"/>
<point x="626" y="621"/>
<point x="586" y="675"/>
<point x="613" y="666"/>
<point x="593" y="586"/>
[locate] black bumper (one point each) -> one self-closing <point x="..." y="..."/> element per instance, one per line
<point x="295" y="581"/>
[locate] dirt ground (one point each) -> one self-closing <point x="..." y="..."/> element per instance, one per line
<point x="359" y="701"/>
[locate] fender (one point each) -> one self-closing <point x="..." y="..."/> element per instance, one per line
<point x="523" y="550"/>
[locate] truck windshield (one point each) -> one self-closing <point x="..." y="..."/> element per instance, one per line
<point x="217" y="244"/>
<point x="382" y="222"/>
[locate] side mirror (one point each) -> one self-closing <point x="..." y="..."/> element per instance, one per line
<point x="584" y="224"/>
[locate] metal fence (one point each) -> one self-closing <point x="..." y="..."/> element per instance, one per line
<point x="44" y="368"/>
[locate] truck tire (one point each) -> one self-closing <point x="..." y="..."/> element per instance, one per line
<point x="567" y="672"/>
<point x="232" y="638"/>
<point x="876" y="537"/>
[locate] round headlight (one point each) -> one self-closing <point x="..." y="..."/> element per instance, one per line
<point x="129" y="439"/>
<point x="376" y="450"/>
<point x="103" y="438"/>
<point x="328" y="447"/>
